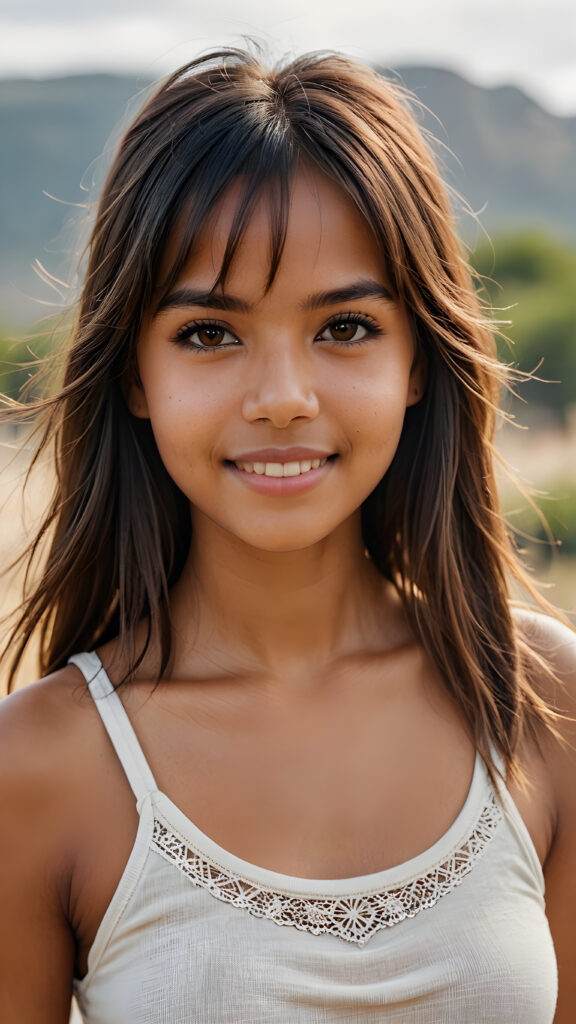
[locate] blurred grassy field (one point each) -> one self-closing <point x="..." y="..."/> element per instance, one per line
<point x="544" y="462"/>
<point x="19" y="512"/>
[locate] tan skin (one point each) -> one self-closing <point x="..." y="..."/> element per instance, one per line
<point x="300" y="716"/>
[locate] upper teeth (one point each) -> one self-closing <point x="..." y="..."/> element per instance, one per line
<point x="281" y="468"/>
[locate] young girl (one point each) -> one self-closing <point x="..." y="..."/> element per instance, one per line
<point x="296" y="758"/>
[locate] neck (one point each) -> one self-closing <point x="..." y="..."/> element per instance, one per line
<point x="286" y="613"/>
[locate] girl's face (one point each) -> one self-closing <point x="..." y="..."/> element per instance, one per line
<point x="324" y="361"/>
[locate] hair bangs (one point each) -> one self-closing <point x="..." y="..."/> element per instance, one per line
<point x="265" y="174"/>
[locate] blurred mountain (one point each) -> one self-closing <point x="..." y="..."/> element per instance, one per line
<point x="510" y="159"/>
<point x="507" y="156"/>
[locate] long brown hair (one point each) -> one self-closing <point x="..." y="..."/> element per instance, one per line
<point x="119" y="528"/>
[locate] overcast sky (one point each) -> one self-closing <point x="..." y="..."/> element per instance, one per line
<point x="531" y="43"/>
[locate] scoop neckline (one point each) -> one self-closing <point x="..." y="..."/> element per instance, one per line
<point x="456" y="836"/>
<point x="479" y="795"/>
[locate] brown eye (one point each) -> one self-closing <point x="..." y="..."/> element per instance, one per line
<point x="205" y="337"/>
<point x="349" y="330"/>
<point x="344" y="331"/>
<point x="210" y="336"/>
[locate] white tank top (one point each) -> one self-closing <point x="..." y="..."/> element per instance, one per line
<point x="195" y="935"/>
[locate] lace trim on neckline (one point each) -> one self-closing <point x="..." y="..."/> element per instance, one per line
<point x="353" y="918"/>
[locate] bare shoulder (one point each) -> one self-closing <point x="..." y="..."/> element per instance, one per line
<point x="43" y="735"/>
<point x="547" y="634"/>
<point x="555" y="643"/>
<point x="41" y="727"/>
<point x="46" y="730"/>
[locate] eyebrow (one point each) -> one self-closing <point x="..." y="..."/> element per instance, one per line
<point x="364" y="289"/>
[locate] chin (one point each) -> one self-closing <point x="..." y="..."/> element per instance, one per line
<point x="283" y="541"/>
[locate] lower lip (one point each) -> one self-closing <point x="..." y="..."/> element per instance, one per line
<point x="282" y="486"/>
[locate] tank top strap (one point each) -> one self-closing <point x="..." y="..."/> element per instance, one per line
<point x="117" y="725"/>
<point x="498" y="763"/>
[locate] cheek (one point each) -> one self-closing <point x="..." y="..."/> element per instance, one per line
<point x="375" y="409"/>
<point x="179" y="405"/>
<point x="375" y="421"/>
<point x="183" y="420"/>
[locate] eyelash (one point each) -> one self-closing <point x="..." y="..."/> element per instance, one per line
<point x="183" y="334"/>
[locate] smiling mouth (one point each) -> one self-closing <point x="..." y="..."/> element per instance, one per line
<point x="281" y="469"/>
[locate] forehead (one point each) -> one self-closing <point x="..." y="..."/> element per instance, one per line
<point x="327" y="240"/>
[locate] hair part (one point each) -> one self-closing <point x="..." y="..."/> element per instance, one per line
<point x="119" y="527"/>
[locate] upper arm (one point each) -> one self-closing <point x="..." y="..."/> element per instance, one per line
<point x="557" y="645"/>
<point x="36" y="942"/>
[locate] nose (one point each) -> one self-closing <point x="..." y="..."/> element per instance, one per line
<point x="280" y="387"/>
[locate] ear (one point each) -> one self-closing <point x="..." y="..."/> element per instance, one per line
<point x="134" y="396"/>
<point x="418" y="378"/>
